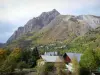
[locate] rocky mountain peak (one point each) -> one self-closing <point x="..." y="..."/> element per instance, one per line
<point x="53" y="12"/>
<point x="35" y="24"/>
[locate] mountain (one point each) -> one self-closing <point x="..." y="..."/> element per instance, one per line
<point x="65" y="27"/>
<point x="2" y="45"/>
<point x="35" y="24"/>
<point x="91" y="40"/>
<point x="53" y="28"/>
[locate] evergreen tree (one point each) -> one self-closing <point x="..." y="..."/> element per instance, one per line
<point x="34" y="56"/>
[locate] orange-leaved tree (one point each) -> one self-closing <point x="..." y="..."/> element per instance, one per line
<point x="11" y="61"/>
<point x="3" y="54"/>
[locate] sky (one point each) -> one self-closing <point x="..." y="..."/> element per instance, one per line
<point x="15" y="13"/>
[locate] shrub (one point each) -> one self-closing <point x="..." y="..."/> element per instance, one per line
<point x="40" y="67"/>
<point x="43" y="68"/>
<point x="76" y="67"/>
<point x="49" y="66"/>
<point x="22" y="65"/>
<point x="60" y="67"/>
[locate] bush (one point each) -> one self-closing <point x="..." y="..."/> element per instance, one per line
<point x="40" y="67"/>
<point x="43" y="68"/>
<point x="22" y="65"/>
<point x="60" y="67"/>
<point x="76" y="67"/>
<point x="84" y="71"/>
<point x="49" y="67"/>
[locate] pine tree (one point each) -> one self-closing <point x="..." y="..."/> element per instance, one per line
<point x="35" y="56"/>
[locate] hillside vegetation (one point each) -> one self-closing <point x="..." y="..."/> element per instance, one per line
<point x="89" y="40"/>
<point x="79" y="44"/>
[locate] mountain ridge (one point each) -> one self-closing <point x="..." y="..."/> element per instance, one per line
<point x="2" y="45"/>
<point x="35" y="24"/>
<point x="60" y="28"/>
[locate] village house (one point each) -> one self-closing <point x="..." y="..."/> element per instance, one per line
<point x="52" y="57"/>
<point x="68" y="58"/>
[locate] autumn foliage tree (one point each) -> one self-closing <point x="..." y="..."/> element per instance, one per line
<point x="11" y="61"/>
<point x="3" y="54"/>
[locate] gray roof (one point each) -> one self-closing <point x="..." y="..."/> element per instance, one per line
<point x="74" y="55"/>
<point x="52" y="58"/>
<point x="51" y="53"/>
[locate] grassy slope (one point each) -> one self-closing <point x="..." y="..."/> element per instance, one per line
<point x="79" y="44"/>
<point x="89" y="40"/>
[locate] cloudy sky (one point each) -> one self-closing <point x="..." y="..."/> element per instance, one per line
<point x="15" y="13"/>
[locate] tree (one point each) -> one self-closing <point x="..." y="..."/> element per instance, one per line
<point x="60" y="66"/>
<point x="40" y="67"/>
<point x="44" y="67"/>
<point x="76" y="67"/>
<point x="25" y="56"/>
<point x="88" y="60"/>
<point x="11" y="61"/>
<point x="34" y="56"/>
<point x="22" y="65"/>
<point x="35" y="53"/>
<point x="30" y="56"/>
<point x="97" y="56"/>
<point x="3" y="55"/>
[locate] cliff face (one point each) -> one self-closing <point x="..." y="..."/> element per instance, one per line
<point x="35" y="24"/>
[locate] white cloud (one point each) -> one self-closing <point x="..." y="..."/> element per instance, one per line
<point x="15" y="10"/>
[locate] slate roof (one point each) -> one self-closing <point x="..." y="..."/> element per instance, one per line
<point x="52" y="56"/>
<point x="47" y="58"/>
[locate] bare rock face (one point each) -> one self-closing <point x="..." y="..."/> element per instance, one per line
<point x="65" y="27"/>
<point x="91" y="20"/>
<point x="35" y="24"/>
<point x="58" y="27"/>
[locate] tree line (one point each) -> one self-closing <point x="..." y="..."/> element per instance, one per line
<point x="17" y="58"/>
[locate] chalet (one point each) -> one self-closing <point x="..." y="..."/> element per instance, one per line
<point x="51" y="57"/>
<point x="69" y="56"/>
